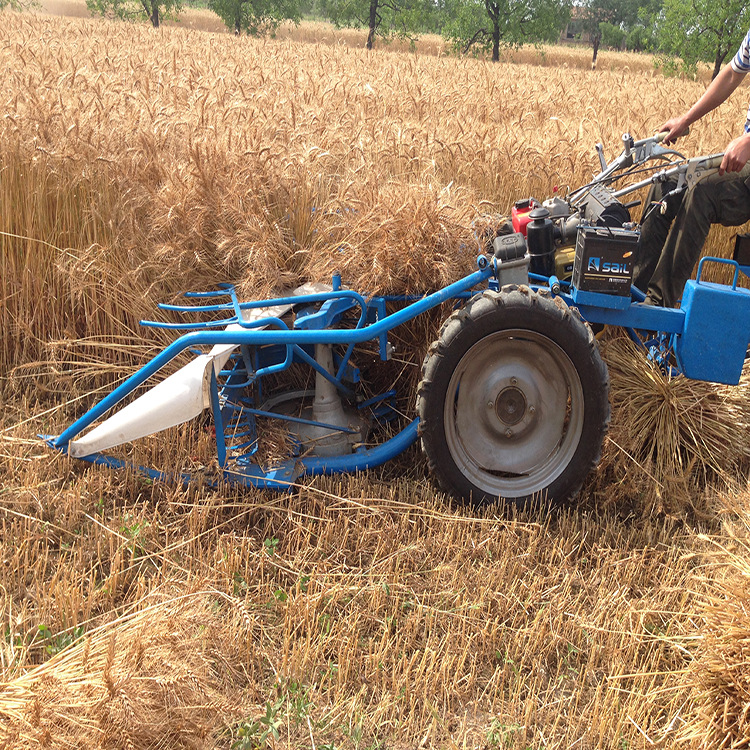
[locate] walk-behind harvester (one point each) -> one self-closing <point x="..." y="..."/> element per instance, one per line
<point x="514" y="396"/>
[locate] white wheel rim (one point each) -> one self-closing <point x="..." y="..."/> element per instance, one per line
<point x="513" y="413"/>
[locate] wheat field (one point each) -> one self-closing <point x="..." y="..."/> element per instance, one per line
<point x="366" y="611"/>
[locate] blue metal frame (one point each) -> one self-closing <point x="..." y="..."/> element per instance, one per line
<point x="269" y="345"/>
<point x="275" y="350"/>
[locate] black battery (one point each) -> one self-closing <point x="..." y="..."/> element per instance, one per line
<point x="604" y="259"/>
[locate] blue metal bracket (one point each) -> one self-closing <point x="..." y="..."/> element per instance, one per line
<point x="330" y="313"/>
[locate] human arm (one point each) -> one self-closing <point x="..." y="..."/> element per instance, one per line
<point x="717" y="92"/>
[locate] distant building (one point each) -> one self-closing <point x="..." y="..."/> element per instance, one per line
<point x="575" y="32"/>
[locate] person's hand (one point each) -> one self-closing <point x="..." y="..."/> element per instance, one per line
<point x="675" y="127"/>
<point x="736" y="155"/>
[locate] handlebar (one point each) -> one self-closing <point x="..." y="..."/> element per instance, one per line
<point x="688" y="173"/>
<point x="635" y="153"/>
<point x="713" y="162"/>
<point x="683" y="171"/>
<point x="662" y="134"/>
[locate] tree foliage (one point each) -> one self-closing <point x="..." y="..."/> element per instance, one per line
<point x="136" y="10"/>
<point x="621" y="13"/>
<point x="614" y="22"/>
<point x="382" y="18"/>
<point x="256" y="17"/>
<point x="612" y="35"/>
<point x="19" y="4"/>
<point x="704" y="30"/>
<point x="492" y="24"/>
<point x="642" y="33"/>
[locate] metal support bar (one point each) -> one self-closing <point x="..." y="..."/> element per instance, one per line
<point x="254" y="337"/>
<point x="221" y="448"/>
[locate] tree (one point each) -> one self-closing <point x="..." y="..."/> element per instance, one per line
<point x="593" y="14"/>
<point x="703" y="29"/>
<point x="643" y="32"/>
<point x="381" y="18"/>
<point x="612" y="35"/>
<point x="256" y="17"/>
<point x="132" y="10"/>
<point x="491" y="24"/>
<point x="605" y="17"/>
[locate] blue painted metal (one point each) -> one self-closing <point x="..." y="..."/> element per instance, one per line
<point x="254" y="337"/>
<point x="721" y="261"/>
<point x="221" y="448"/>
<point x="701" y="336"/>
<point x="234" y="417"/>
<point x="594" y="299"/>
<point x="363" y="459"/>
<point x="636" y="315"/>
<point x="329" y="314"/>
<point x="381" y="314"/>
<point x="284" y="476"/>
<point x="307" y="359"/>
<point x="712" y="345"/>
<point x="334" y="296"/>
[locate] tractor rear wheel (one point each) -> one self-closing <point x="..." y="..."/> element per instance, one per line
<point x="514" y="400"/>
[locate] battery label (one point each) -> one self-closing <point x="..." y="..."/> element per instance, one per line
<point x="604" y="259"/>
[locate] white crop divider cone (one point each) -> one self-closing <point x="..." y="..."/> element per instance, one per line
<point x="178" y="398"/>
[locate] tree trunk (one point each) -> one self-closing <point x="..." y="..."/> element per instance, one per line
<point x="373" y="23"/>
<point x="154" y="14"/>
<point x="596" y="40"/>
<point x="496" y="38"/>
<point x="718" y="62"/>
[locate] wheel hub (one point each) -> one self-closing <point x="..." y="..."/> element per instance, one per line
<point x="511" y="393"/>
<point x="510" y="405"/>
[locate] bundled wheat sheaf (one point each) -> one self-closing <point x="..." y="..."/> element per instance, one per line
<point x="138" y="163"/>
<point x="671" y="435"/>
<point x="145" y="680"/>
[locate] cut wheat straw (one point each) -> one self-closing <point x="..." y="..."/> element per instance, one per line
<point x="364" y="610"/>
<point x="670" y="436"/>
<point x="155" y="678"/>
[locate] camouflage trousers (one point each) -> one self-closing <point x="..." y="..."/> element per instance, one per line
<point x="671" y="242"/>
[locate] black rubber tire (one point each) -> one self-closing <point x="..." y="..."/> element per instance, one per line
<point x="547" y="343"/>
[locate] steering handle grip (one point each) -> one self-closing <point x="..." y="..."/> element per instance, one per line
<point x="661" y="135"/>
<point x="712" y="162"/>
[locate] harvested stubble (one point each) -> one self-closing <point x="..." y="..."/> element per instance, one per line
<point x="719" y="675"/>
<point x="154" y="678"/>
<point x="139" y="163"/>
<point x="670" y="437"/>
<point x="394" y="615"/>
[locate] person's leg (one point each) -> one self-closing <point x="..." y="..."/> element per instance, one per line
<point x="715" y="200"/>
<point x="654" y="230"/>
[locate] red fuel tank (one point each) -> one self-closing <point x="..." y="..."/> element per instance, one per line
<point x="520" y="214"/>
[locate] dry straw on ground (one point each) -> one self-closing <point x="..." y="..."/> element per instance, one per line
<point x="156" y="677"/>
<point x="671" y="437"/>
<point x="138" y="163"/>
<point x="377" y="612"/>
<point x="719" y="675"/>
